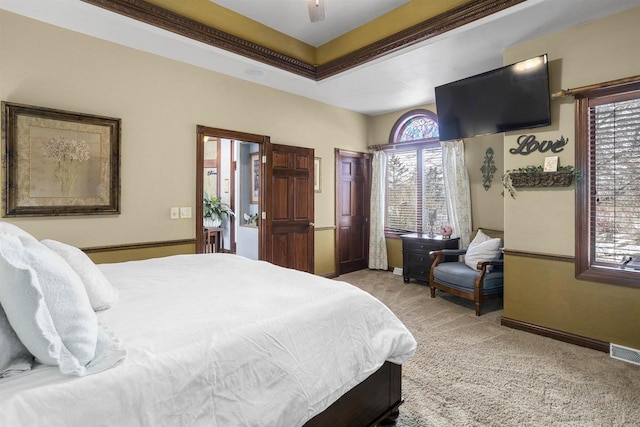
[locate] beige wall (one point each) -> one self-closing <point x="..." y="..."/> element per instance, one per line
<point x="486" y="205"/>
<point x="325" y="251"/>
<point x="542" y="220"/>
<point x="160" y="103"/>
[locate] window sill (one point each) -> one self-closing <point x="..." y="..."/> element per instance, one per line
<point x="610" y="275"/>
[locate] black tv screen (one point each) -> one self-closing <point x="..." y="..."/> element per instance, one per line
<point x="509" y="98"/>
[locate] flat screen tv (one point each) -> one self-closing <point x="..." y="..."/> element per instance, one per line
<point x="509" y="98"/>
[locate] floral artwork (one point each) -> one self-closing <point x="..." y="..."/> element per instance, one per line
<point x="60" y="163"/>
<point x="68" y="154"/>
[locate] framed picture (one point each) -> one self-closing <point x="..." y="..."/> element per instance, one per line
<point x="59" y="162"/>
<point x="550" y="164"/>
<point x="254" y="165"/>
<point x="317" y="174"/>
<point x="210" y="183"/>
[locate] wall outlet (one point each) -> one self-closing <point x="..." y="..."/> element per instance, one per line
<point x="185" y="212"/>
<point x="175" y="213"/>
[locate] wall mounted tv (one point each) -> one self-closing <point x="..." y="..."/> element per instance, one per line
<point x="509" y="98"/>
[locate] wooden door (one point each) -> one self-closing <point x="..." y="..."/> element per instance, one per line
<point x="288" y="232"/>
<point x="353" y="193"/>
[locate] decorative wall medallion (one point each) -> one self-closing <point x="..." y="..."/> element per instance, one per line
<point x="488" y="169"/>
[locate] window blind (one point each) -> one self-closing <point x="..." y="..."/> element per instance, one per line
<point x="402" y="194"/>
<point x="414" y="173"/>
<point x="433" y="188"/>
<point x="614" y="133"/>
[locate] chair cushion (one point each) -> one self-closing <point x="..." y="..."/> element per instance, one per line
<point x="459" y="276"/>
<point x="482" y="248"/>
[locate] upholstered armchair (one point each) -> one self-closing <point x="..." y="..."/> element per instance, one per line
<point x="479" y="277"/>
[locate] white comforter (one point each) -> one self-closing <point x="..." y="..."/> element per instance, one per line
<point x="217" y="340"/>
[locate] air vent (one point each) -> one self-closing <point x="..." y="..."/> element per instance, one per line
<point x="626" y="354"/>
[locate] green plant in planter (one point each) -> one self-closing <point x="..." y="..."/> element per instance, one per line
<point x="534" y="176"/>
<point x="214" y="208"/>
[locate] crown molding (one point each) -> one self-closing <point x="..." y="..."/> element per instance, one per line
<point x="162" y="18"/>
<point x="447" y="21"/>
<point x="178" y="24"/>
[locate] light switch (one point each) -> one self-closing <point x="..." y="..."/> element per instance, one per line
<point x="185" y="212"/>
<point x="175" y="213"/>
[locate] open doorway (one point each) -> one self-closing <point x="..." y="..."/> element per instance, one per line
<point x="228" y="168"/>
<point x="281" y="177"/>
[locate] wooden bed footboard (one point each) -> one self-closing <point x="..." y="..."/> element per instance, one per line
<point x="375" y="401"/>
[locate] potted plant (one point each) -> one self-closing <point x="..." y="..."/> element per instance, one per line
<point x="215" y="211"/>
<point x="251" y="219"/>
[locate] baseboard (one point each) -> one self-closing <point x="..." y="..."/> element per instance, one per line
<point x="555" y="334"/>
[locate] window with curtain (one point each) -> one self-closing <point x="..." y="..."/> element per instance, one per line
<point x="608" y="197"/>
<point x="415" y="185"/>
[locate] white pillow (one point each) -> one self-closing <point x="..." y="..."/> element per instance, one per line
<point x="46" y="305"/>
<point x="101" y="293"/>
<point x="13" y="230"/>
<point x="14" y="357"/>
<point x="482" y="248"/>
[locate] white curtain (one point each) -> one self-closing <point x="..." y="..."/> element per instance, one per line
<point x="456" y="181"/>
<point x="377" y="241"/>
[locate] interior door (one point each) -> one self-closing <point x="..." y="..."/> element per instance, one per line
<point x="353" y="194"/>
<point x="288" y="233"/>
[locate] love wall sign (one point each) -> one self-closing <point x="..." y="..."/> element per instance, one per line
<point x="527" y="144"/>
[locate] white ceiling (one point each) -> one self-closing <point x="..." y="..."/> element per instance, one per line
<point x="397" y="81"/>
<point x="291" y="17"/>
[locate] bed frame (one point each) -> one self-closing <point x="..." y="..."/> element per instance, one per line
<point x="373" y="402"/>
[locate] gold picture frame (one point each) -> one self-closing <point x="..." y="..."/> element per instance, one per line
<point x="59" y="162"/>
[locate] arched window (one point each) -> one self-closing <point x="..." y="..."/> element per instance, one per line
<point x="415" y="181"/>
<point x="415" y="125"/>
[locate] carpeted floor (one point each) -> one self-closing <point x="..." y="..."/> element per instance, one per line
<point x="470" y="371"/>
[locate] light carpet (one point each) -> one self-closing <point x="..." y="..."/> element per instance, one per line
<point x="470" y="371"/>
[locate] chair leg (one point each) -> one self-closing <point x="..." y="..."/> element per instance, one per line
<point x="433" y="291"/>
<point x="477" y="293"/>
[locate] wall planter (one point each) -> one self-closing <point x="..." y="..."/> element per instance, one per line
<point x="541" y="179"/>
<point x="533" y="176"/>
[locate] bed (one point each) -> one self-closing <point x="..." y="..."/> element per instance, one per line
<point x="221" y="340"/>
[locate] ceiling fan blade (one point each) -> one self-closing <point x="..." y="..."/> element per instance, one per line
<point x="316" y="10"/>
